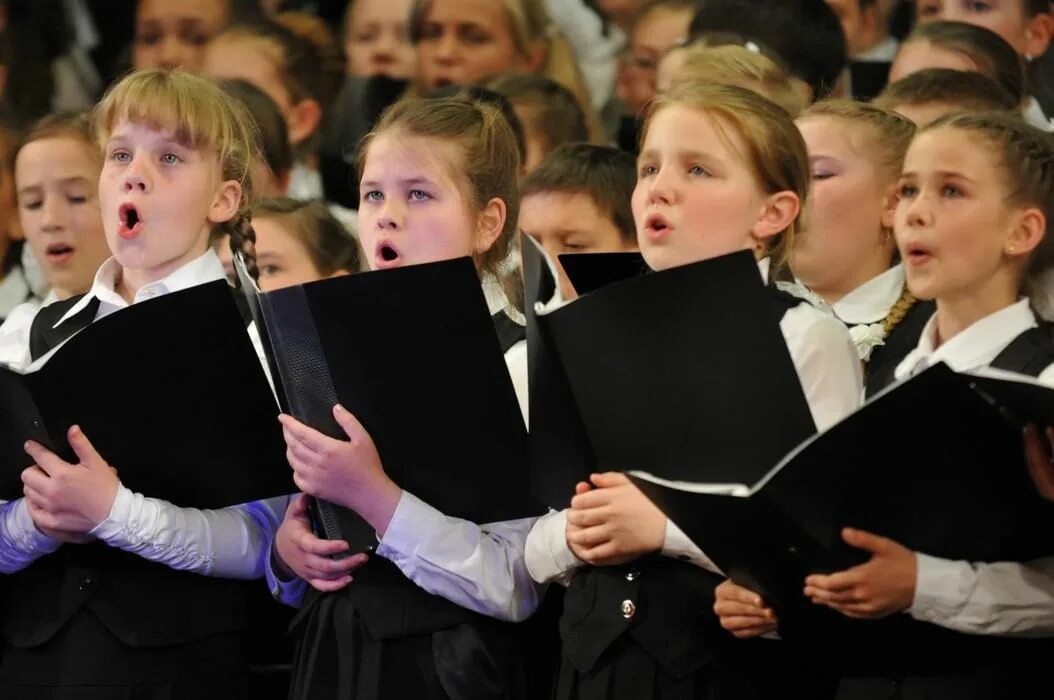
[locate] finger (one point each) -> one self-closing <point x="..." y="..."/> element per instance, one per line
<point x="588" y="518"/>
<point x="734" y="609"/>
<point x="301" y="452"/>
<point x="744" y="623"/>
<point x="311" y="543"/>
<point x="595" y="498"/>
<point x="47" y="460"/>
<point x="590" y="537"/>
<point x="37" y="479"/>
<point x="86" y="453"/>
<point x="833" y="597"/>
<point x="608" y="480"/>
<point x="841" y="581"/>
<point x="327" y="586"/>
<point x="731" y="591"/>
<point x="350" y="424"/>
<point x="866" y="541"/>
<point x="298" y="507"/>
<point x="295" y="431"/>
<point x="328" y="568"/>
<point x="753" y="632"/>
<point x="603" y="554"/>
<point x="582" y="487"/>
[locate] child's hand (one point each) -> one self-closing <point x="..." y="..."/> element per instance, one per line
<point x="67" y="500"/>
<point x="881" y="587"/>
<point x="571" y="532"/>
<point x="614" y="523"/>
<point x="303" y="554"/>
<point x="743" y="612"/>
<point x="1040" y="465"/>
<point x="345" y="472"/>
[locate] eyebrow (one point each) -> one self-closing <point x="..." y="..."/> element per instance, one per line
<point x="941" y="173"/>
<point x="406" y="182"/>
<point x="74" y="180"/>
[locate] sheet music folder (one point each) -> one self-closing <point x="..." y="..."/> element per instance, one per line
<point x="170" y="392"/>
<point x="412" y="353"/>
<point x="935" y="463"/>
<point x="684" y="370"/>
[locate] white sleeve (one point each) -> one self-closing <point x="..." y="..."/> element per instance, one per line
<point x="827" y="363"/>
<point x="289" y="592"/>
<point x="547" y="554"/>
<point x="479" y="567"/>
<point x="14" y="335"/>
<point x="677" y="546"/>
<point x="596" y="48"/>
<point x="1003" y="598"/>
<point x="229" y="543"/>
<point x="21" y="543"/>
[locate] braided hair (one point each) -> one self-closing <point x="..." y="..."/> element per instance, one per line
<point x="200" y="115"/>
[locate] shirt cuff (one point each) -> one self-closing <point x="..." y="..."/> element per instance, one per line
<point x="677" y="546"/>
<point x="412" y="516"/>
<point x="116" y="528"/>
<point x="548" y="557"/>
<point x="25" y="534"/>
<point x="938" y="588"/>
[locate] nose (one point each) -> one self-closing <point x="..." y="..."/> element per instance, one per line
<point x="661" y="189"/>
<point x="917" y="211"/>
<point x="53" y="215"/>
<point x="171" y="54"/>
<point x="446" y="48"/>
<point x="390" y="216"/>
<point x="136" y="178"/>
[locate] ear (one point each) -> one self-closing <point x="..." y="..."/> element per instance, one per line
<point x="535" y="57"/>
<point x="225" y="203"/>
<point x="1027" y="233"/>
<point x="777" y="213"/>
<point x="1038" y="34"/>
<point x="889" y="207"/>
<point x="304" y="119"/>
<point x="489" y="224"/>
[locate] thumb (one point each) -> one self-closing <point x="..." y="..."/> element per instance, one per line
<point x="351" y="425"/>
<point x="609" y="479"/>
<point x="297" y="507"/>
<point x="582" y="487"/>
<point x="82" y="447"/>
<point x="865" y="540"/>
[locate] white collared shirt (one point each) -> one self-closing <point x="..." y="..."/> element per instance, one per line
<point x="1034" y="115"/>
<point x="14" y="290"/>
<point x="1003" y="598"/>
<point x="882" y="52"/>
<point x="832" y="380"/>
<point x="230" y="542"/>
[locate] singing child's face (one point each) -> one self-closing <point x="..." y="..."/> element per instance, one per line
<point x="569" y="222"/>
<point x="1007" y="18"/>
<point x="376" y="41"/>
<point x="464" y="42"/>
<point x="952" y="221"/>
<point x="160" y="199"/>
<point x="57" y="189"/>
<point x="413" y="205"/>
<point x="696" y="198"/>
<point x="174" y="34"/>
<point x="847" y="213"/>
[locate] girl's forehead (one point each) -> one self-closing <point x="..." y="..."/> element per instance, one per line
<point x="402" y="155"/>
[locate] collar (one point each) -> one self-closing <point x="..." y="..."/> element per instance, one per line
<point x="974" y="347"/>
<point x="764" y="265"/>
<point x="882" y="52"/>
<point x="1034" y="115"/>
<point x="14" y="290"/>
<point x="201" y="270"/>
<point x="871" y="301"/>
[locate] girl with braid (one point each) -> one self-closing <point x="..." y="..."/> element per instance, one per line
<point x="144" y="610"/>
<point x="971" y="223"/>
<point x="845" y="260"/>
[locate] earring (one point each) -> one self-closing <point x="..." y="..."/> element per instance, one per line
<point x="1010" y="250"/>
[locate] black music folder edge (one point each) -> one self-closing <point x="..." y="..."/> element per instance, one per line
<point x="170" y="392"/>
<point x="412" y="353"/>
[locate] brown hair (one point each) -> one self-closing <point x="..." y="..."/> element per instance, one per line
<point x="490" y="163"/>
<point x="775" y="152"/>
<point x="328" y="244"/>
<point x="73" y="125"/>
<point x="549" y="108"/>
<point x="605" y="173"/>
<point x="888" y="133"/>
<point x="738" y="65"/>
<point x="201" y="117"/>
<point x="1026" y="156"/>
<point x="965" y="89"/>
<point x="989" y="52"/>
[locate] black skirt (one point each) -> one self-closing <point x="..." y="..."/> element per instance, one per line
<point x="336" y="658"/>
<point x="85" y="661"/>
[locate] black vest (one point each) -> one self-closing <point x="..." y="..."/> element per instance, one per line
<point x="900" y="341"/>
<point x="665" y="605"/>
<point x="142" y="603"/>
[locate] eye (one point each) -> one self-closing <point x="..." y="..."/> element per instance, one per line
<point x="372" y="196"/>
<point x="474" y="35"/>
<point x="270" y="270"/>
<point x="698" y="171"/>
<point x="431" y="31"/>
<point x="907" y="191"/>
<point x="978" y="6"/>
<point x="931" y="10"/>
<point x="171" y="159"/>
<point x="148" y="38"/>
<point x="951" y="191"/>
<point x="32" y="205"/>
<point x="120" y="156"/>
<point x="419" y="196"/>
<point x="76" y="199"/>
<point x="647" y="170"/>
<point x="822" y="175"/>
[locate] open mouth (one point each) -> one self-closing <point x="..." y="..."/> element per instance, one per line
<point x="59" y="252"/>
<point x="656" y="226"/>
<point x="387" y="255"/>
<point x="917" y="255"/>
<point x="130" y="222"/>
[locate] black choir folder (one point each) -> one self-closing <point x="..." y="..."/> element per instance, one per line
<point x="683" y="373"/>
<point x="170" y="392"/>
<point x="935" y="463"/>
<point x="413" y="354"/>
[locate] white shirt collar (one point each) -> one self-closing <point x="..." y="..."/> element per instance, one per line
<point x="1033" y="114"/>
<point x="14" y="290"/>
<point x="871" y="301"/>
<point x="972" y="348"/>
<point x="764" y="265"/>
<point x="201" y="270"/>
<point x="882" y="52"/>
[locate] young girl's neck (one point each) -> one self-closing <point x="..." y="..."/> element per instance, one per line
<point x="860" y="275"/>
<point x="956" y="314"/>
<point x="130" y="280"/>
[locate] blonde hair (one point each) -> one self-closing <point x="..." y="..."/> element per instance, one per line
<point x="531" y="25"/>
<point x="200" y="116"/>
<point x="775" y="152"/>
<point x="738" y="65"/>
<point x="490" y="162"/>
<point x="888" y="133"/>
<point x="1026" y="156"/>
